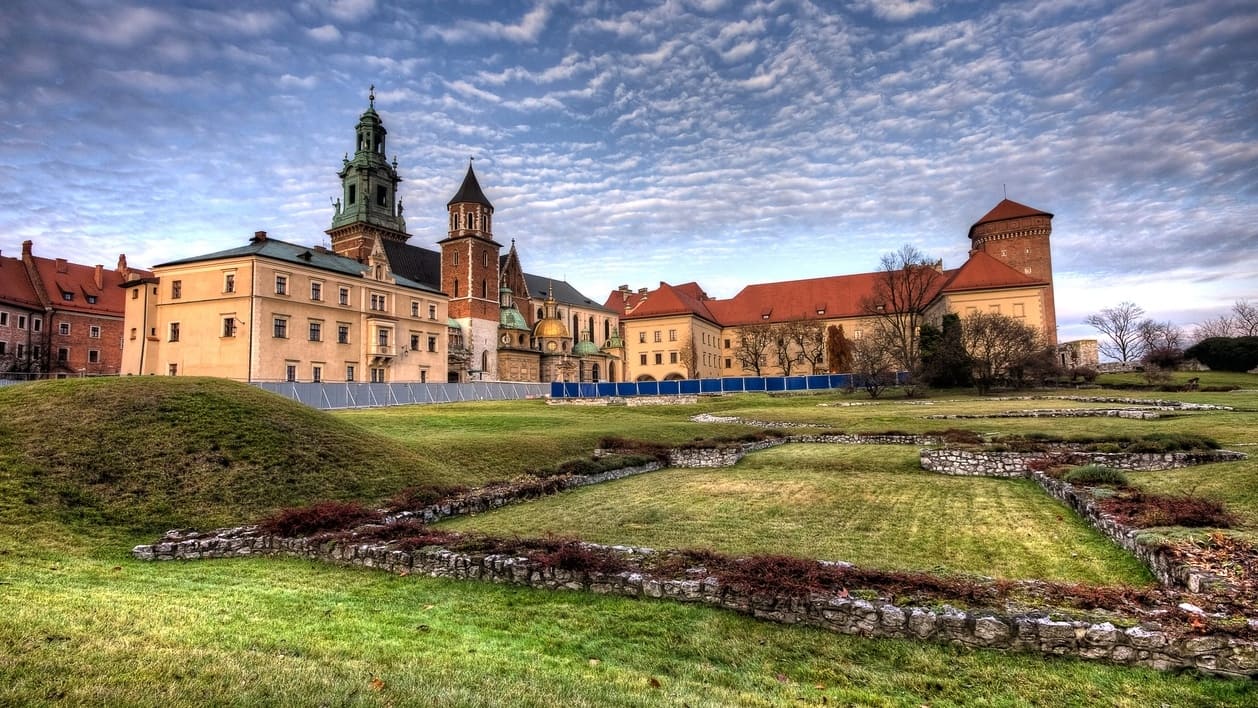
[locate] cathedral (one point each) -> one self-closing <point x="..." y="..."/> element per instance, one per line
<point x="401" y="313"/>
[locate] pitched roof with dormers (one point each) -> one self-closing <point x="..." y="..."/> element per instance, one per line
<point x="985" y="272"/>
<point x="684" y="299"/>
<point x="15" y="286"/>
<point x="73" y="287"/>
<point x="1005" y="210"/>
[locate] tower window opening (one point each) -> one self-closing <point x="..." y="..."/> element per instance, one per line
<point x="382" y="195"/>
<point x="353" y="194"/>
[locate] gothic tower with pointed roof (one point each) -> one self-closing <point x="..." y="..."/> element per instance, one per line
<point x="1018" y="236"/>
<point x="368" y="209"/>
<point x="470" y="272"/>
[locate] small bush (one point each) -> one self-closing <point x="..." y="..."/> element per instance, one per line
<point x="1096" y="475"/>
<point x="1143" y="510"/>
<point x="1087" y="373"/>
<point x="961" y="437"/>
<point x="318" y="518"/>
<point x="573" y="556"/>
<point x="421" y="496"/>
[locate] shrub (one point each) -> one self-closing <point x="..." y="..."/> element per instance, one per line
<point x="1226" y="353"/>
<point x="961" y="437"/>
<point x="1143" y="510"/>
<point x="1096" y="474"/>
<point x="573" y="556"/>
<point x="1087" y="373"/>
<point x="317" y="518"/>
<point x="421" y="496"/>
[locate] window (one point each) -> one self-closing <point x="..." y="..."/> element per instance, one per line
<point x="135" y="293"/>
<point x="672" y="357"/>
<point x="173" y="369"/>
<point x="856" y="334"/>
<point x="316" y="373"/>
<point x="377" y="302"/>
<point x="63" y="355"/>
<point x="343" y="296"/>
<point x="642" y="359"/>
<point x="659" y="358"/>
<point x="281" y="285"/>
<point x="229" y="326"/>
<point x="290" y="372"/>
<point x="21" y="349"/>
<point x="4" y="319"/>
<point x="971" y="310"/>
<point x="484" y="258"/>
<point x="423" y="376"/>
<point x="641" y="337"/>
<point x="69" y="296"/>
<point x="672" y="335"/>
<point x="133" y="332"/>
<point x="994" y="308"/>
<point x="174" y="331"/>
<point x="316" y="290"/>
<point x="432" y="342"/>
<point x="1018" y="310"/>
<point x="353" y="194"/>
<point x="37" y="324"/>
<point x="414" y="308"/>
<point x="93" y="356"/>
<point x="377" y="375"/>
<point x="432" y="312"/>
<point x="93" y="332"/>
<point x="63" y="328"/>
<point x="656" y="334"/>
<point x="91" y="299"/>
<point x="456" y="257"/>
<point x="176" y="290"/>
<point x="729" y="363"/>
<point x="349" y="372"/>
<point x="414" y="342"/>
<point x="21" y="321"/>
<point x="281" y="328"/>
<point x="316" y="331"/>
<point x="342" y="334"/>
<point x="456" y="285"/>
<point x="382" y="337"/>
<point x="3" y="347"/>
<point x="229" y="282"/>
<point x="382" y="194"/>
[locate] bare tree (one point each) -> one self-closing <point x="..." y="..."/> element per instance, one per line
<point x="872" y="364"/>
<point x="753" y="348"/>
<point x="688" y="355"/>
<point x="838" y="350"/>
<point x="781" y="345"/>
<point x="906" y="280"/>
<point x="1221" y="326"/>
<point x="809" y="340"/>
<point x="1121" y="326"/>
<point x="1160" y="335"/>
<point x="1245" y="318"/>
<point x="997" y="344"/>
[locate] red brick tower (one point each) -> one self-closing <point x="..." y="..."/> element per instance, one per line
<point x="1018" y="235"/>
<point x="470" y="273"/>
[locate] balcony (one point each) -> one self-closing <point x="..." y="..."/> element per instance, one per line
<point x="381" y="353"/>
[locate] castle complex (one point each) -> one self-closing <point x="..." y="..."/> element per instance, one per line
<point x="376" y="308"/>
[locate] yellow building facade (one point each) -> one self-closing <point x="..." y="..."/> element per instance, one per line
<point x="275" y="311"/>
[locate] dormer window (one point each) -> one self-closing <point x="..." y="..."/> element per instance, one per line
<point x="67" y="296"/>
<point x="91" y="299"/>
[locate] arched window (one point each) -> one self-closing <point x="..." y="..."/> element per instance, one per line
<point x="591" y="326"/>
<point x="540" y="313"/>
<point x="456" y="287"/>
<point x="484" y="258"/>
<point x="607" y="330"/>
<point x="484" y="289"/>
<point x="484" y="362"/>
<point x="576" y="328"/>
<point x="594" y="373"/>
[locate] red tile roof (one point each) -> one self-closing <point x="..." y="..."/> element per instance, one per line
<point x="60" y="276"/>
<point x="1007" y="209"/>
<point x="834" y="296"/>
<point x="984" y="272"/>
<point x="15" y="286"/>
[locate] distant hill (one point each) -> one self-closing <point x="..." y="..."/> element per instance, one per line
<point x="158" y="452"/>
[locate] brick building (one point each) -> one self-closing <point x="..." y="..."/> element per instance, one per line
<point x="59" y="318"/>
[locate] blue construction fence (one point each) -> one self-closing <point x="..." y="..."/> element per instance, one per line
<point x="329" y="396"/>
<point x="683" y="387"/>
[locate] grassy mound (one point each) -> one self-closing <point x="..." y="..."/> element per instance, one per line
<point x="149" y="453"/>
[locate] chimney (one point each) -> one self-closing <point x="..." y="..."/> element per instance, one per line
<point x="642" y="291"/>
<point x="26" y="249"/>
<point x="62" y="266"/>
<point x="99" y="277"/>
<point x="259" y="236"/>
<point x="623" y="288"/>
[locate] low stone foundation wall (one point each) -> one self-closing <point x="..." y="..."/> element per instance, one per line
<point x="1018" y="464"/>
<point x="1133" y="413"/>
<point x="1031" y="632"/>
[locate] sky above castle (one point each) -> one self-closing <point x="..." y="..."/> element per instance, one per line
<point x="723" y="142"/>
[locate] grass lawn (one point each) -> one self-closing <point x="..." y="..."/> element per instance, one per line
<point x="1233" y="483"/>
<point x="866" y="504"/>
<point x="81" y="624"/>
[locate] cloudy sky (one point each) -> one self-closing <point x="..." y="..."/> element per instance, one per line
<point x="718" y="141"/>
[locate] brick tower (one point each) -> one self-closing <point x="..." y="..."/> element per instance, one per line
<point x="1018" y="236"/>
<point x="469" y="273"/>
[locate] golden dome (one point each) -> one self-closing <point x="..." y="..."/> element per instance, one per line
<point x="553" y="329"/>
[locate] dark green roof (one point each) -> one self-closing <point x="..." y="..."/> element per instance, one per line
<point x="285" y="252"/>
